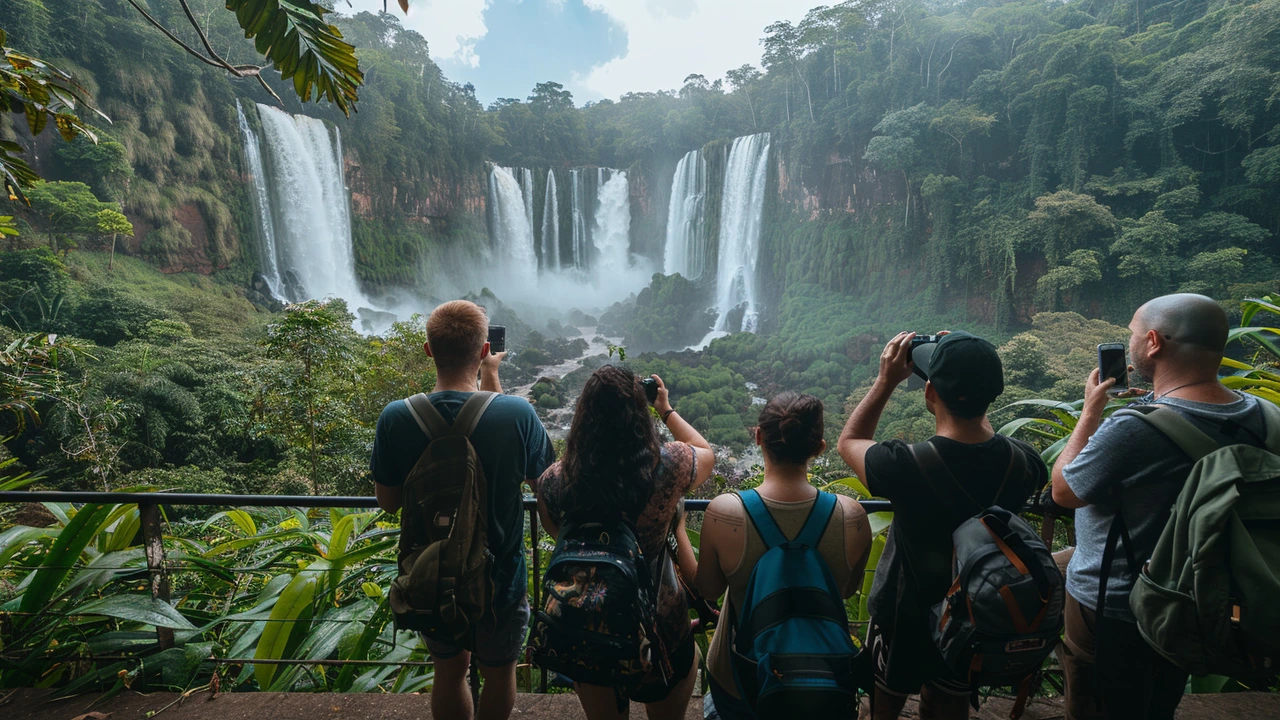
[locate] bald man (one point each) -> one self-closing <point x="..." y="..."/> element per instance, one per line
<point x="1123" y="463"/>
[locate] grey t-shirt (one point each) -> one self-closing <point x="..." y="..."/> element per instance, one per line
<point x="1131" y="464"/>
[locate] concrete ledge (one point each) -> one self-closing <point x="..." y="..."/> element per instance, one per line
<point x="34" y="705"/>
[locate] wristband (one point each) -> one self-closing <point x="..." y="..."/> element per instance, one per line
<point x="667" y="414"/>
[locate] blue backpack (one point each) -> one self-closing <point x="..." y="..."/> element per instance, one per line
<point x="792" y="651"/>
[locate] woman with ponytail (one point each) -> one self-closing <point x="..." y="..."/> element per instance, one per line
<point x="790" y="436"/>
<point x="616" y="467"/>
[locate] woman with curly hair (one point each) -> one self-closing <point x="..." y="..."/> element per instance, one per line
<point x="616" y="466"/>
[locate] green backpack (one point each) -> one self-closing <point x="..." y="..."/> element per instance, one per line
<point x="444" y="587"/>
<point x="1208" y="598"/>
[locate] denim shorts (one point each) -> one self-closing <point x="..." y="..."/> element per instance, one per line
<point x="500" y="638"/>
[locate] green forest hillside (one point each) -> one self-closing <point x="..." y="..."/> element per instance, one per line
<point x="934" y="164"/>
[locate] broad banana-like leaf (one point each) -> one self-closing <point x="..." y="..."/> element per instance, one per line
<point x="128" y="522"/>
<point x="71" y="542"/>
<point x="880" y="521"/>
<point x="853" y="484"/>
<point x="292" y="609"/>
<point x="107" y="567"/>
<point x="240" y="518"/>
<point x="15" y="539"/>
<point x="138" y="608"/>
<point x="1038" y="426"/>
<point x="1253" y="306"/>
<point x="293" y="35"/>
<point x="873" y="561"/>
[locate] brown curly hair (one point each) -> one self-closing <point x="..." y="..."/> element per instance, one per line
<point x="612" y="448"/>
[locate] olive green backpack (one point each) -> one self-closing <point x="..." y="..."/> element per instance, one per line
<point x="444" y="587"/>
<point x="1208" y="598"/>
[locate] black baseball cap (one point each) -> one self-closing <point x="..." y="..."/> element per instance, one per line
<point x="965" y="368"/>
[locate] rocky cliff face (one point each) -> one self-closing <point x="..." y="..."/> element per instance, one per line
<point x="429" y="199"/>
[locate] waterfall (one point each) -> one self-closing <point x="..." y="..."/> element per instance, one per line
<point x="526" y="193"/>
<point x="310" y="220"/>
<point x="685" y="250"/>
<point x="512" y="213"/>
<point x="579" y="219"/>
<point x="741" y="210"/>
<point x="261" y="199"/>
<point x="551" y="225"/>
<point x="611" y="236"/>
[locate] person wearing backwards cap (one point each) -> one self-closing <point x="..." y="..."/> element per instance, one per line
<point x="964" y="375"/>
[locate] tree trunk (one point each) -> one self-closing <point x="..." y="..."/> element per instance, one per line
<point x="311" y="430"/>
<point x="112" y="259"/>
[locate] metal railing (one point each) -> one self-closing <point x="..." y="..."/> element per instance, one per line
<point x="149" y="504"/>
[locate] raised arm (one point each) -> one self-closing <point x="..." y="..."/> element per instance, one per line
<point x="1095" y="401"/>
<point x="856" y="438"/>
<point x="683" y="432"/>
<point x="489" y="381"/>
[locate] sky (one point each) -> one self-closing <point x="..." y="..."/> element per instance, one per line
<point x="595" y="48"/>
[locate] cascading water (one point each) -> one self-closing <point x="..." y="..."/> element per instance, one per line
<point x="261" y="198"/>
<point x="512" y="210"/>
<point x="551" y="226"/>
<point x="579" y="219"/>
<point x="310" y="216"/>
<point x="741" y="210"/>
<point x="611" y="235"/>
<point x="686" y="247"/>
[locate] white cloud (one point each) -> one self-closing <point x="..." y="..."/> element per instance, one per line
<point x="452" y="27"/>
<point x="669" y="39"/>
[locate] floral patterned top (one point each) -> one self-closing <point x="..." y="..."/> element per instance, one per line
<point x="675" y="475"/>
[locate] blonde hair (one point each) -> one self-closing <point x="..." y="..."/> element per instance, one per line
<point x="457" y="332"/>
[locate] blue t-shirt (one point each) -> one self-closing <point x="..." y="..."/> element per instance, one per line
<point x="1129" y="463"/>
<point x="512" y="446"/>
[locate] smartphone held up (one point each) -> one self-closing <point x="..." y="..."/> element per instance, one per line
<point x="1112" y="363"/>
<point x="497" y="338"/>
<point x="650" y="389"/>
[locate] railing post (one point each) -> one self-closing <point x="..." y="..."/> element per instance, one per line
<point x="153" y="542"/>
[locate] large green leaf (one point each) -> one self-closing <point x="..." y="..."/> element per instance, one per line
<point x="15" y="539"/>
<point x="292" y="609"/>
<point x="1253" y="306"/>
<point x="73" y="539"/>
<point x="137" y="608"/>
<point x="295" y="38"/>
<point x="880" y="521"/>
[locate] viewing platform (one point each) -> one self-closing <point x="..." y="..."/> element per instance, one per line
<point x="34" y="705"/>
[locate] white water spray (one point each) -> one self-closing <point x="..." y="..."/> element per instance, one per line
<point x="512" y="210"/>
<point x="309" y="206"/>
<point x="741" y="211"/>
<point x="261" y="197"/>
<point x="686" y="247"/>
<point x="551" y="225"/>
<point x="612" y="233"/>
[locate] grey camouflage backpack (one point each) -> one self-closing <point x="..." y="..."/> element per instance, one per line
<point x="1003" y="614"/>
<point x="444" y="587"/>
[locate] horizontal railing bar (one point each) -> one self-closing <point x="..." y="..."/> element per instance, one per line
<point x="300" y="501"/>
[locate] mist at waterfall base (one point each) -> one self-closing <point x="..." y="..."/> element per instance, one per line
<point x="575" y="254"/>
<point x="545" y="269"/>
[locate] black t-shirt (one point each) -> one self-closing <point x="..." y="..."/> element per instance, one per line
<point x="915" y="570"/>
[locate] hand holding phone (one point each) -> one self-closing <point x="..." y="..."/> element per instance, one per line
<point x="497" y="339"/>
<point x="650" y="389"/>
<point x="1112" y="363"/>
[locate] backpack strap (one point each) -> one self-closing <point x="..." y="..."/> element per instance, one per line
<point x="1189" y="438"/>
<point x="429" y="419"/>
<point x="934" y="469"/>
<point x="819" y="518"/>
<point x="471" y="412"/>
<point x="764" y="523"/>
